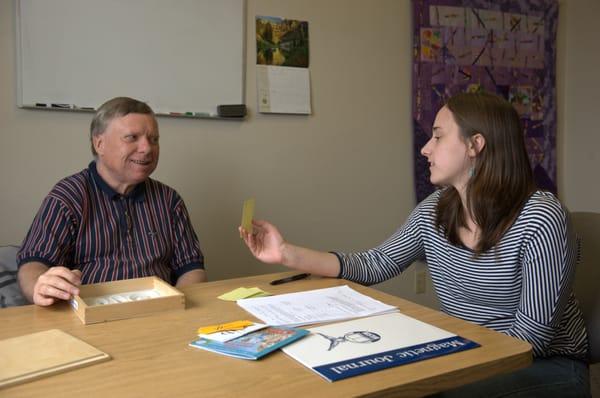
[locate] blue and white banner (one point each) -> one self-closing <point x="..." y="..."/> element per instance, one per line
<point x="371" y="363"/>
<point x="364" y="345"/>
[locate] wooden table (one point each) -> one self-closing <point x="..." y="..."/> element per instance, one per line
<point x="151" y="356"/>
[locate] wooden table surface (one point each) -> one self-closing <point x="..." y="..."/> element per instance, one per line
<point x="151" y="356"/>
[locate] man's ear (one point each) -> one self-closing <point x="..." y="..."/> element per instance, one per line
<point x="98" y="142"/>
<point x="476" y="144"/>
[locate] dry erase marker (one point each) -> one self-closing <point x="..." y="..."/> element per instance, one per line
<point x="64" y="106"/>
<point x="289" y="279"/>
<point x="39" y="104"/>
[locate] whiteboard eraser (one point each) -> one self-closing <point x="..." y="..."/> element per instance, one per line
<point x="238" y="110"/>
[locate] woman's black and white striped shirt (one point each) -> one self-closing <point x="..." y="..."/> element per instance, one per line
<point x="521" y="287"/>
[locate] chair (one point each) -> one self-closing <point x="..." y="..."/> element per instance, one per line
<point x="10" y="293"/>
<point x="587" y="276"/>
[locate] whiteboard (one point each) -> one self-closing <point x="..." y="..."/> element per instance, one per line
<point x="178" y="56"/>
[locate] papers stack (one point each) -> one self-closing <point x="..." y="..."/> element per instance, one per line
<point x="314" y="306"/>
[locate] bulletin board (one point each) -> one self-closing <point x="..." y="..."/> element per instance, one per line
<point x="184" y="56"/>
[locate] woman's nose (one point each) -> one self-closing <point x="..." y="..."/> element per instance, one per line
<point x="425" y="151"/>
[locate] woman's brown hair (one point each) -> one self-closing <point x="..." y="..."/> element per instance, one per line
<point x="502" y="179"/>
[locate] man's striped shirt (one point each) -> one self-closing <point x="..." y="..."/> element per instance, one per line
<point x="84" y="224"/>
<point x="521" y="287"/>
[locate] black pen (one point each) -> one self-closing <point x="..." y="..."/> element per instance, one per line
<point x="289" y="279"/>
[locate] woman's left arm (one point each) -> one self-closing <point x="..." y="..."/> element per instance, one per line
<point x="548" y="267"/>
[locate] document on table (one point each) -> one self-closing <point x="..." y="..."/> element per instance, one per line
<point x="314" y="306"/>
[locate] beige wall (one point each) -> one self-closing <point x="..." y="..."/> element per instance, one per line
<point x="578" y="75"/>
<point x="341" y="178"/>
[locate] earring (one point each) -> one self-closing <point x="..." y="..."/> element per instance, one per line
<point x="471" y="171"/>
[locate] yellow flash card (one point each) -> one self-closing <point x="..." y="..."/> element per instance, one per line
<point x="248" y="214"/>
<point x="237" y="325"/>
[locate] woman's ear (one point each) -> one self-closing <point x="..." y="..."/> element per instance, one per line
<point x="476" y="144"/>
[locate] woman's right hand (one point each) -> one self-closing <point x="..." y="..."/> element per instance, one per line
<point x="265" y="242"/>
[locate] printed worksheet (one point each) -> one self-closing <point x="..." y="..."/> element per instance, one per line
<point x="314" y="306"/>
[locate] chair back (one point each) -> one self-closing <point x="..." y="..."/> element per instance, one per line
<point x="10" y="292"/>
<point x="587" y="276"/>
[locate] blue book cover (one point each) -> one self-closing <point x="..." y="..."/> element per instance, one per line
<point x="365" y="345"/>
<point x="252" y="345"/>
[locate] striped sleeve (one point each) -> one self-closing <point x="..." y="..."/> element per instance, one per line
<point x="548" y="269"/>
<point x="51" y="236"/>
<point x="187" y="255"/>
<point x="388" y="259"/>
<point x="521" y="287"/>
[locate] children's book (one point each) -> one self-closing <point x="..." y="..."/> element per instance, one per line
<point x="227" y="335"/>
<point x="351" y="348"/>
<point x="252" y="345"/>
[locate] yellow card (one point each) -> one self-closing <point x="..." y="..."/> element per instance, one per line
<point x="255" y="292"/>
<point x="243" y="292"/>
<point x="235" y="295"/>
<point x="248" y="214"/>
<point x="236" y="325"/>
<point x="260" y="294"/>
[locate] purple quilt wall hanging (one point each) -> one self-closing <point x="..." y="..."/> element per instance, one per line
<point x="507" y="47"/>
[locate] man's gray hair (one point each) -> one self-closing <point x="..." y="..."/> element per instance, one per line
<point x="112" y="109"/>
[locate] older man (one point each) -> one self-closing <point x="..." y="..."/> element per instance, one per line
<point x="111" y="221"/>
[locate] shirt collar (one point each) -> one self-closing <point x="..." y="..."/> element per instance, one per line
<point x="138" y="193"/>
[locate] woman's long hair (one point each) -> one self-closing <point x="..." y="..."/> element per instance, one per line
<point x="502" y="179"/>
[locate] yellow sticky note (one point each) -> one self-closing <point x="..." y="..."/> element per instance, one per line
<point x="253" y="291"/>
<point x="243" y="292"/>
<point x="248" y="214"/>
<point x="236" y="325"/>
<point x="235" y="295"/>
<point x="260" y="294"/>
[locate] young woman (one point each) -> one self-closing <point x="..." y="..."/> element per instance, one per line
<point x="500" y="253"/>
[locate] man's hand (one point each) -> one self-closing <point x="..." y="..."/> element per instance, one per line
<point x="56" y="283"/>
<point x="44" y="285"/>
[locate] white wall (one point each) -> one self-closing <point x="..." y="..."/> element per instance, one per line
<point x="338" y="179"/>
